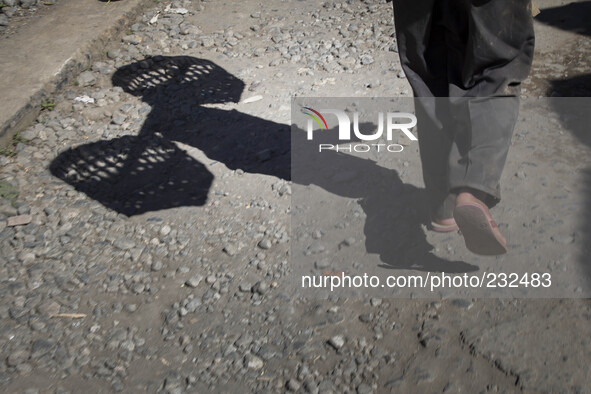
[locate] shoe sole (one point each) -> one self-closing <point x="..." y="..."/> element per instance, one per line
<point x="480" y="235"/>
<point x="443" y="228"/>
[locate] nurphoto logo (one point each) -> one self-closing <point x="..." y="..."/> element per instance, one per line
<point x="395" y="121"/>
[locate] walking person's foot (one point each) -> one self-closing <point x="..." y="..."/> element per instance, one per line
<point x="443" y="225"/>
<point x="480" y="232"/>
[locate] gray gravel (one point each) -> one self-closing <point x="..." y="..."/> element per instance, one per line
<point x="102" y="296"/>
<point x="16" y="13"/>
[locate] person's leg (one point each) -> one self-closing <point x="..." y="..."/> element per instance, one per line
<point x="496" y="57"/>
<point x="435" y="143"/>
<point x="421" y="46"/>
<point x="490" y="54"/>
<point x="423" y="56"/>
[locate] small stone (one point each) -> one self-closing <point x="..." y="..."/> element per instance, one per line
<point x="132" y="39"/>
<point x="207" y="42"/>
<point x="194" y="281"/>
<point x="193" y="305"/>
<point x="124" y="243"/>
<point x="19" y="220"/>
<point x="310" y="386"/>
<point x="375" y="301"/>
<point x="25" y="369"/>
<point x="86" y="78"/>
<point x="118" y="119"/>
<point x="17" y="313"/>
<point x="253" y="362"/>
<point x="180" y="11"/>
<point x="40" y="347"/>
<point x="117" y="385"/>
<point x="315" y="248"/>
<point x="374" y="84"/>
<point x="27" y="258"/>
<point x="165" y="230"/>
<point x="230" y="249"/>
<point x="138" y="288"/>
<point x="50" y="211"/>
<point x="293" y="385"/>
<point x="366" y="59"/>
<point x="349" y="241"/>
<point x="172" y="382"/>
<point x="113" y="53"/>
<point x="156" y="266"/>
<point x="186" y="29"/>
<point x="338" y="341"/>
<point x="267" y="352"/>
<point x="261" y="288"/>
<point x="366" y="317"/>
<point x="244" y="340"/>
<point x="252" y="99"/>
<point x="462" y="303"/>
<point x="183" y="270"/>
<point x="17" y="357"/>
<point x="265" y="243"/>
<point x="127" y="345"/>
<point x="322" y="264"/>
<point x="3" y="20"/>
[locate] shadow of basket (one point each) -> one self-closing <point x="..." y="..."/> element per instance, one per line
<point x="162" y="81"/>
<point x="134" y="175"/>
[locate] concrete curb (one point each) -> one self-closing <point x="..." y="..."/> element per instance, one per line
<point x="28" y="110"/>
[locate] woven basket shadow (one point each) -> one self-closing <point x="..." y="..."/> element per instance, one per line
<point x="133" y="176"/>
<point x="161" y="78"/>
<point x="138" y="174"/>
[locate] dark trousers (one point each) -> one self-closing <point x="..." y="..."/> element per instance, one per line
<point x="465" y="61"/>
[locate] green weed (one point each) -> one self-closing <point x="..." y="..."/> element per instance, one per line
<point x="48" y="105"/>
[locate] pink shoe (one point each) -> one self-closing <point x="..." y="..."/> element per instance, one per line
<point x="444" y="228"/>
<point x="480" y="232"/>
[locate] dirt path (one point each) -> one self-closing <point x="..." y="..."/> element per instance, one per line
<point x="157" y="197"/>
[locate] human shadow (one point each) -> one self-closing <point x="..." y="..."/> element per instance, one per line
<point x="573" y="17"/>
<point x="577" y="86"/>
<point x="394" y="210"/>
<point x="574" y="115"/>
<point x="149" y="172"/>
<point x="572" y="103"/>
